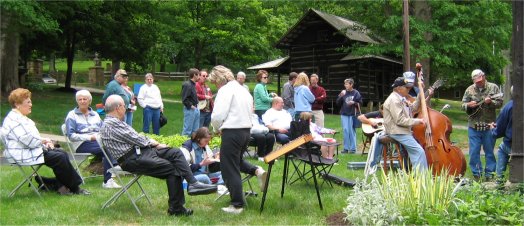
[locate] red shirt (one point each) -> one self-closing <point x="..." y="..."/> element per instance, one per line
<point x="202" y="90"/>
<point x="320" y="97"/>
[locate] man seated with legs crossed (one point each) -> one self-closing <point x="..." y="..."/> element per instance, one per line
<point x="149" y="157"/>
<point x="278" y="120"/>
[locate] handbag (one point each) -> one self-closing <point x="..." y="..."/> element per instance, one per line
<point x="357" y="123"/>
<point x="163" y="120"/>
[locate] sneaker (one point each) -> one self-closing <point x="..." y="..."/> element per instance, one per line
<point x="262" y="176"/>
<point x="344" y="151"/>
<point x="232" y="209"/>
<point x="111" y="183"/>
<point x="222" y="190"/>
<point x="260" y="159"/>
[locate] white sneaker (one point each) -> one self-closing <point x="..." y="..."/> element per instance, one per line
<point x="232" y="209"/>
<point x="222" y="190"/>
<point x="260" y="159"/>
<point x="262" y="176"/>
<point x="111" y="183"/>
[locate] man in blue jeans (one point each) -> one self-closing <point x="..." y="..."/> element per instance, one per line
<point x="190" y="101"/>
<point x="398" y="122"/>
<point x="503" y="128"/>
<point x="478" y="98"/>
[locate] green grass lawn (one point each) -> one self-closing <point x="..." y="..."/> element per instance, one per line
<point x="298" y="206"/>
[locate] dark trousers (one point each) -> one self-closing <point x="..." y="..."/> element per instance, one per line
<point x="93" y="148"/>
<point x="234" y="142"/>
<point x="166" y="163"/>
<point x="65" y="173"/>
<point x="264" y="143"/>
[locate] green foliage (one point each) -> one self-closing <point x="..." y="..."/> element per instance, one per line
<point x="479" y="205"/>
<point x="367" y="206"/>
<point x="418" y="193"/>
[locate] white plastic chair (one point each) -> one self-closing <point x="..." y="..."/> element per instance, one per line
<point x="73" y="153"/>
<point x="119" y="173"/>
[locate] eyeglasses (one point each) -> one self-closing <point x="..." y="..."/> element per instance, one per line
<point x="264" y="77"/>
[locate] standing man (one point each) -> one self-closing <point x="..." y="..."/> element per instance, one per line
<point x="503" y="128"/>
<point x="398" y="122"/>
<point x="288" y="93"/>
<point x="138" y="154"/>
<point x="478" y="97"/>
<point x="115" y="87"/>
<point x="320" y="97"/>
<point x="241" y="79"/>
<point x="204" y="94"/>
<point x="190" y="101"/>
<point x="232" y="118"/>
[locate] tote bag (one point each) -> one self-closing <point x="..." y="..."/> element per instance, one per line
<point x="356" y="123"/>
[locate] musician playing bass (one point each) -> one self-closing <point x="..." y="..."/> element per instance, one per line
<point x="398" y="122"/>
<point x="480" y="104"/>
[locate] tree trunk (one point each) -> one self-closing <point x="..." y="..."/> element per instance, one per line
<point x="116" y="65"/>
<point x="423" y="12"/>
<point x="516" y="174"/>
<point x="52" y="65"/>
<point x="70" y="52"/>
<point x="163" y="67"/>
<point x="9" y="52"/>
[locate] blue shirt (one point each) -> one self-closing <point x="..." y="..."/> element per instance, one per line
<point x="303" y="98"/>
<point x="504" y="124"/>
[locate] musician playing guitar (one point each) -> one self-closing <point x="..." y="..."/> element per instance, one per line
<point x="478" y="97"/>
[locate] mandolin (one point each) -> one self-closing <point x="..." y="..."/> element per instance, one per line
<point x="472" y="112"/>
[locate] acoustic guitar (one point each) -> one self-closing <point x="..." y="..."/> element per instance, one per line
<point x="370" y="130"/>
<point x="472" y="112"/>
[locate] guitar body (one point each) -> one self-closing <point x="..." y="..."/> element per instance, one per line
<point x="368" y="129"/>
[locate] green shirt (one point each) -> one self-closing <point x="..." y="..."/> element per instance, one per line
<point x="262" y="99"/>
<point x="487" y="112"/>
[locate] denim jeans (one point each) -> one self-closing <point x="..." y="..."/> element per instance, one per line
<point x="129" y="118"/>
<point x="487" y="141"/>
<point x="206" y="178"/>
<point x="416" y="153"/>
<point x="377" y="149"/>
<point x="151" y="115"/>
<point x="205" y="118"/>
<point x="349" y="133"/>
<point x="191" y="121"/>
<point x="503" y="158"/>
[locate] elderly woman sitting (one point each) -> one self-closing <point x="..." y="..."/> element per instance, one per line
<point x="82" y="126"/>
<point x="25" y="145"/>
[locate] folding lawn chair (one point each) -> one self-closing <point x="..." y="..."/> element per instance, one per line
<point x="73" y="153"/>
<point x="27" y="176"/>
<point x="119" y="173"/>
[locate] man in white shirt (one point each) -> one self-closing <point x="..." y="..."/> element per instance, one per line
<point x="278" y="120"/>
<point x="150" y="99"/>
<point x="232" y="118"/>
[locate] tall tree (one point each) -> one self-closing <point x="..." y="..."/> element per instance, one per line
<point x="16" y="18"/>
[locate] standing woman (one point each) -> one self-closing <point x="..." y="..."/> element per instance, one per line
<point x="25" y="145"/>
<point x="349" y="101"/>
<point x="262" y="98"/>
<point x="132" y="101"/>
<point x="150" y="99"/>
<point x="303" y="96"/>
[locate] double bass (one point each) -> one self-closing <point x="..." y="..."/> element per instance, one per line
<point x="433" y="136"/>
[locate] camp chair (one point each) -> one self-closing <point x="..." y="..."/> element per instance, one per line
<point x="27" y="176"/>
<point x="309" y="154"/>
<point x="119" y="173"/>
<point x="74" y="154"/>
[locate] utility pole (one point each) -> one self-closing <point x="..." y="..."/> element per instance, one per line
<point x="405" y="19"/>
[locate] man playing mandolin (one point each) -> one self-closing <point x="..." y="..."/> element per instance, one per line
<point x="480" y="102"/>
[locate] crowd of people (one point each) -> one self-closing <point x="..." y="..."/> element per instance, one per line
<point x="238" y="117"/>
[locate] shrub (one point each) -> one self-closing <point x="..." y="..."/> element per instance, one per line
<point x="367" y="206"/>
<point x="177" y="140"/>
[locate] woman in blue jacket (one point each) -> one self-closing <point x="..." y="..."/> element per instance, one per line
<point x="303" y="96"/>
<point x="200" y="157"/>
